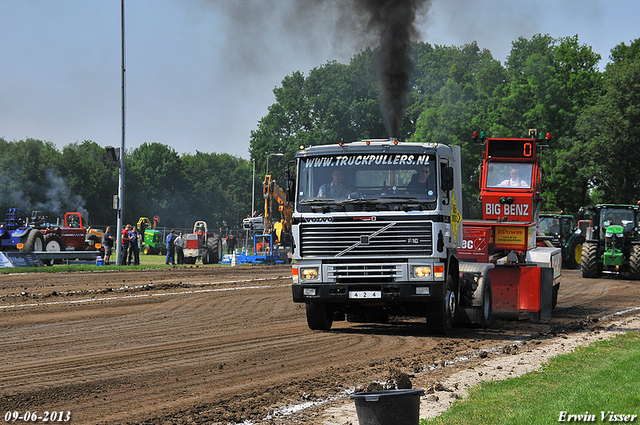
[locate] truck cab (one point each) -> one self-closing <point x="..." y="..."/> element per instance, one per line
<point x="376" y="224"/>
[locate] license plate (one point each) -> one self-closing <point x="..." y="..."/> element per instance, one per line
<point x="365" y="294"/>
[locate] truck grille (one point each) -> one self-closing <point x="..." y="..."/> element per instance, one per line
<point x="365" y="272"/>
<point x="365" y="239"/>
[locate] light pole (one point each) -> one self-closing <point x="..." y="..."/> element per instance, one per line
<point x="119" y="247"/>
<point x="271" y="154"/>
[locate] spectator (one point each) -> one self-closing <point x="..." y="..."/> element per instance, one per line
<point x="125" y="244"/>
<point x="134" y="247"/>
<point x="231" y="242"/>
<point x="180" y="243"/>
<point x="107" y="243"/>
<point x="171" y="249"/>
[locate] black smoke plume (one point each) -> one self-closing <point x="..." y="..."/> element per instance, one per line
<point x="393" y="21"/>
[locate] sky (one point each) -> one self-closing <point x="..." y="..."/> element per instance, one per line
<point x="200" y="74"/>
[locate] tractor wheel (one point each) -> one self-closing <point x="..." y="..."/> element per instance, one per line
<point x="206" y="256"/>
<point x="440" y="314"/>
<point x="634" y="262"/>
<point x="589" y="263"/>
<point x="319" y="318"/>
<point x="214" y="246"/>
<point x="53" y="243"/>
<point x="574" y="256"/>
<point x="147" y="250"/>
<point x="34" y="242"/>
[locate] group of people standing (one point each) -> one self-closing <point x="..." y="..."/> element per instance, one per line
<point x="175" y="245"/>
<point x="131" y="240"/>
<point x="130" y="245"/>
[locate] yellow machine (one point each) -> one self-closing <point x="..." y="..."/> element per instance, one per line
<point x="280" y="230"/>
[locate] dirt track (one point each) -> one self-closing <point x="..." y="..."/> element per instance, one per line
<point x="226" y="345"/>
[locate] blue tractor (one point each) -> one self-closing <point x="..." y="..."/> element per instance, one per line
<point x="17" y="235"/>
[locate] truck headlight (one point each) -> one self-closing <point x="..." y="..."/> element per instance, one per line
<point x="421" y="271"/>
<point x="309" y="274"/>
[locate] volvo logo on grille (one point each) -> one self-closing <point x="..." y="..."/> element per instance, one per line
<point x="318" y="219"/>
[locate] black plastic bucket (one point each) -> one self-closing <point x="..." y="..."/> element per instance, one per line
<point x="390" y="407"/>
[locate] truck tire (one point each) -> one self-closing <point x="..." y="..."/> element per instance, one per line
<point x="554" y="296"/>
<point x="440" y="314"/>
<point x="486" y="309"/>
<point x="574" y="256"/>
<point x="634" y="262"/>
<point x="53" y="243"/>
<point x="319" y="318"/>
<point x="34" y="242"/>
<point x="589" y="262"/>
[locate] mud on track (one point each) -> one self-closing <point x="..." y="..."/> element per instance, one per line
<point x="226" y="344"/>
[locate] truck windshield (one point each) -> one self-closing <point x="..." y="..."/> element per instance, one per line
<point x="380" y="178"/>
<point x="509" y="175"/>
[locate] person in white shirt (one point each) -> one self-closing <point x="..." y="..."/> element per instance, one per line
<point x="514" y="180"/>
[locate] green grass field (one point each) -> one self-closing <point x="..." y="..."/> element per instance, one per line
<point x="596" y="380"/>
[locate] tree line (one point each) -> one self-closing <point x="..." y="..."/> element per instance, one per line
<point x="553" y="85"/>
<point x="180" y="189"/>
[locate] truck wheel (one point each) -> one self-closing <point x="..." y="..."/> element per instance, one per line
<point x="554" y="296"/>
<point x="53" y="243"/>
<point x="634" y="262"/>
<point x="319" y="318"/>
<point x="589" y="262"/>
<point x="440" y="314"/>
<point x="34" y="242"/>
<point x="487" y="304"/>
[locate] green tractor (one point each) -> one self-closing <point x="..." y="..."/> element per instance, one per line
<point x="556" y="229"/>
<point x="153" y="241"/>
<point x="612" y="241"/>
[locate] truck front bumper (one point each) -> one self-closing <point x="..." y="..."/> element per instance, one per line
<point x="368" y="293"/>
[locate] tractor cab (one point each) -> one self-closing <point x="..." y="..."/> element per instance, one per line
<point x="612" y="241"/>
<point x="557" y="229"/>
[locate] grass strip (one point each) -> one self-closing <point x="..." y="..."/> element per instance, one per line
<point x="596" y="381"/>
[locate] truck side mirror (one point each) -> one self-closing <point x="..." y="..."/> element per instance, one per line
<point x="289" y="176"/>
<point x="447" y="178"/>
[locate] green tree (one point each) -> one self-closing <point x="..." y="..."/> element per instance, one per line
<point x="92" y="177"/>
<point x="609" y="130"/>
<point x="220" y="189"/>
<point x="155" y="184"/>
